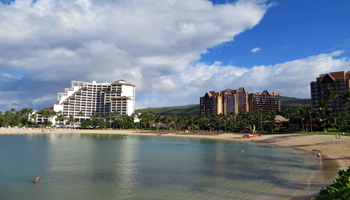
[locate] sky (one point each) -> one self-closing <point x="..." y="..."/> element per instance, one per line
<point x="173" y="51"/>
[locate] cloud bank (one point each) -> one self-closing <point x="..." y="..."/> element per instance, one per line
<point x="290" y="78"/>
<point x="47" y="43"/>
<point x="155" y="45"/>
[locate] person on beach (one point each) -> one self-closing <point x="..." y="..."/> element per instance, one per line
<point x="319" y="158"/>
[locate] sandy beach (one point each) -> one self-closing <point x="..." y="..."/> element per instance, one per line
<point x="335" y="153"/>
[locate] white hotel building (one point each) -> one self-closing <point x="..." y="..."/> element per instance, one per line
<point x="91" y="98"/>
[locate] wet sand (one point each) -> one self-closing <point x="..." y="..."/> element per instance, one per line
<point x="335" y="154"/>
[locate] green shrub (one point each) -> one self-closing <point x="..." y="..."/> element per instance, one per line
<point x="332" y="129"/>
<point x="339" y="190"/>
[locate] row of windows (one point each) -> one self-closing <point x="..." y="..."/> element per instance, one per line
<point x="330" y="84"/>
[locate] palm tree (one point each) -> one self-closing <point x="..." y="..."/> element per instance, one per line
<point x="181" y="121"/>
<point x="225" y="119"/>
<point x="71" y="119"/>
<point x="174" y="119"/>
<point x="301" y="115"/>
<point x="310" y="110"/>
<point x="105" y="115"/>
<point x="333" y="96"/>
<point x="324" y="107"/>
<point x="61" y="117"/>
<point x="41" y="113"/>
<point x="231" y="119"/>
<point x="240" y="120"/>
<point x="345" y="100"/>
<point x="288" y="114"/>
<point x="192" y="119"/>
<point x="261" y="114"/>
<point x="80" y="115"/>
<point x="132" y="117"/>
<point x="164" y="120"/>
<point x="157" y="119"/>
<point x="26" y="111"/>
<point x="52" y="114"/>
<point x="272" y="117"/>
<point x="115" y="114"/>
<point x="202" y="121"/>
<point x="143" y="119"/>
<point x="29" y="111"/>
<point x="97" y="115"/>
<point x="32" y="117"/>
<point x="249" y="116"/>
<point x="219" y="120"/>
<point x="7" y="118"/>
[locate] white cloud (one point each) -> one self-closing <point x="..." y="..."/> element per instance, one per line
<point x="290" y="78"/>
<point x="255" y="50"/>
<point x="8" y="77"/>
<point x="155" y="45"/>
<point x="52" y="42"/>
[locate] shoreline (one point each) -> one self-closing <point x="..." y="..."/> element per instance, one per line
<point x="334" y="152"/>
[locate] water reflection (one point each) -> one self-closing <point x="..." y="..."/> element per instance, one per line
<point x="87" y="166"/>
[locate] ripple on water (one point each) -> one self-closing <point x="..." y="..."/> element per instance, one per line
<point x="112" y="167"/>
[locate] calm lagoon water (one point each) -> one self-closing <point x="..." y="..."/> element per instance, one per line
<point x="83" y="166"/>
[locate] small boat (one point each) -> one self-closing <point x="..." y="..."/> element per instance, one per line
<point x="251" y="135"/>
<point x="162" y="134"/>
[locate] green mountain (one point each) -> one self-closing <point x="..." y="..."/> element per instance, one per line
<point x="291" y="102"/>
<point x="179" y="110"/>
<point x="286" y="102"/>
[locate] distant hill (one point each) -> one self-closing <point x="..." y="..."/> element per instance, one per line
<point x="291" y="102"/>
<point x="286" y="102"/>
<point x="179" y="110"/>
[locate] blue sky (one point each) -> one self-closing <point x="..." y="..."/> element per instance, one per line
<point x="173" y="51"/>
<point x="289" y="30"/>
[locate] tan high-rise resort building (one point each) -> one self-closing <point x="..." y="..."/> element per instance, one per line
<point x="234" y="101"/>
<point x="265" y="101"/>
<point x="340" y="81"/>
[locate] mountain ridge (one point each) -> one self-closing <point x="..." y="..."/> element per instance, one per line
<point x="193" y="109"/>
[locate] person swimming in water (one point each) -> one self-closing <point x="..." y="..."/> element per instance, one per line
<point x="36" y="179"/>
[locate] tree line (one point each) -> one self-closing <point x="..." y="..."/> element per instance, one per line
<point x="327" y="117"/>
<point x="15" y="118"/>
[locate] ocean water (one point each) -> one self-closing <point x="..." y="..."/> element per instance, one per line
<point x="83" y="166"/>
